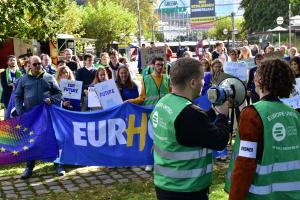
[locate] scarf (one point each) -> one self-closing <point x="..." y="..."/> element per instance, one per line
<point x="8" y="75"/>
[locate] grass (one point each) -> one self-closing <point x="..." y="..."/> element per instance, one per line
<point x="140" y="190"/>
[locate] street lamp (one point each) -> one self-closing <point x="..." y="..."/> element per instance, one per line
<point x="234" y="32"/>
<point x="139" y="24"/>
<point x="279" y="21"/>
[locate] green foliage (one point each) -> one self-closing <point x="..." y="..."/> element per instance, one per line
<point x="225" y="23"/>
<point x="105" y="21"/>
<point x="36" y="19"/>
<point x="260" y="15"/>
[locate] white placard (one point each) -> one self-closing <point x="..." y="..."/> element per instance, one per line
<point x="108" y="94"/>
<point x="93" y="100"/>
<point x="148" y="54"/>
<point x="71" y="89"/>
<point x="236" y="69"/>
<point x="294" y="101"/>
<point x="297" y="86"/>
<point x="249" y="62"/>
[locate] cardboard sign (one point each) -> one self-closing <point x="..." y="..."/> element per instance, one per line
<point x="71" y="89"/>
<point x="108" y="94"/>
<point x="297" y="86"/>
<point x="236" y="69"/>
<point x="249" y="62"/>
<point x="148" y="54"/>
<point x="93" y="100"/>
<point x="294" y="101"/>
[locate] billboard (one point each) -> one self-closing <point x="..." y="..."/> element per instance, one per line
<point x="178" y="6"/>
<point x="202" y="14"/>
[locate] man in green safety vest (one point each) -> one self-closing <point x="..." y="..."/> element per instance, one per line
<point x="267" y="161"/>
<point x="184" y="136"/>
<point x="154" y="87"/>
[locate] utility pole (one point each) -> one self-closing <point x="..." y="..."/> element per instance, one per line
<point x="290" y="26"/>
<point x="139" y="24"/>
<point x="233" y="30"/>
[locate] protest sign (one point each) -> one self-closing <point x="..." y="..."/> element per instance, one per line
<point x="71" y="89"/>
<point x="148" y="54"/>
<point x="93" y="100"/>
<point x="108" y="94"/>
<point x="297" y="86"/>
<point x="249" y="62"/>
<point x="236" y="69"/>
<point x="294" y="101"/>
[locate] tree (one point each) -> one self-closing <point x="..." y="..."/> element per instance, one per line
<point x="225" y="23"/>
<point x="147" y="8"/>
<point x="260" y="15"/>
<point x="106" y="22"/>
<point x="34" y="19"/>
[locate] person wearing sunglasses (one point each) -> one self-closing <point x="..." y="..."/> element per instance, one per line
<point x="35" y="87"/>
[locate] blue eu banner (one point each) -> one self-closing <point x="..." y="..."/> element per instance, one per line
<point x="119" y="136"/>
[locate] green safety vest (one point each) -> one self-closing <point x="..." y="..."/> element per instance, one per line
<point x="153" y="93"/>
<point x="177" y="168"/>
<point x="278" y="173"/>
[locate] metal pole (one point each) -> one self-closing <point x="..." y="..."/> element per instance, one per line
<point x="139" y="24"/>
<point x="233" y="28"/>
<point x="290" y="28"/>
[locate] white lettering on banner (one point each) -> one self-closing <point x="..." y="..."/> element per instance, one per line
<point x="248" y="149"/>
<point x="92" y="133"/>
<point x="116" y="128"/>
<point x="79" y="134"/>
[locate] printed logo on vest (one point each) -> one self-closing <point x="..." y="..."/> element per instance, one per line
<point x="155" y="119"/>
<point x="278" y="132"/>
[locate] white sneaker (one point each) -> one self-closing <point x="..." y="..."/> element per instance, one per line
<point x="149" y="168"/>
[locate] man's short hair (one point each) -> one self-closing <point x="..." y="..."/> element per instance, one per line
<point x="43" y="55"/>
<point x="157" y="59"/>
<point x="113" y="53"/>
<point x="11" y="56"/>
<point x="87" y="55"/>
<point x="184" y="70"/>
<point x="219" y="43"/>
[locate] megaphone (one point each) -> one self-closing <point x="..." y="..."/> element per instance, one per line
<point x="229" y="87"/>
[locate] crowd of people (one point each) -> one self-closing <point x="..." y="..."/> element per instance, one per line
<point x="184" y="132"/>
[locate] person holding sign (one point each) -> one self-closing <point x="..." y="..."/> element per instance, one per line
<point x="128" y="89"/>
<point x="100" y="76"/>
<point x="268" y="146"/>
<point x="184" y="135"/>
<point x="64" y="72"/>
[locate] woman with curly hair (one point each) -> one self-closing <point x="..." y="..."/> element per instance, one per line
<point x="268" y="146"/>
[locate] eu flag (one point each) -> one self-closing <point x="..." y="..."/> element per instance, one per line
<point x="28" y="137"/>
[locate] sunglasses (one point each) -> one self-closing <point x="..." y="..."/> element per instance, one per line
<point x="36" y="64"/>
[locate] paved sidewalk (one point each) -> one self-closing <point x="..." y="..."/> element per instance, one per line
<point x="12" y="187"/>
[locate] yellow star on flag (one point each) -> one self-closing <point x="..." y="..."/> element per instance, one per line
<point x="18" y="126"/>
<point x="15" y="153"/>
<point x="3" y="149"/>
<point x="25" y="148"/>
<point x="25" y="129"/>
<point x="31" y="140"/>
<point x="31" y="133"/>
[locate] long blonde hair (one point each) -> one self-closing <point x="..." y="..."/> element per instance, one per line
<point x="60" y="71"/>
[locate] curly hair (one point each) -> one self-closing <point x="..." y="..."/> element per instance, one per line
<point x="276" y="76"/>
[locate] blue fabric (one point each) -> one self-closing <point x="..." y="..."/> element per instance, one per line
<point x="28" y="137"/>
<point x="127" y="93"/>
<point x="11" y="103"/>
<point x="207" y="82"/>
<point x="203" y="102"/>
<point x="111" y="125"/>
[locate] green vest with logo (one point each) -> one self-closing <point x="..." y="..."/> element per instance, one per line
<point x="277" y="175"/>
<point x="177" y="168"/>
<point x="153" y="93"/>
